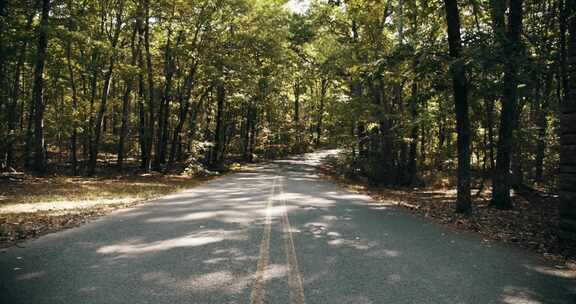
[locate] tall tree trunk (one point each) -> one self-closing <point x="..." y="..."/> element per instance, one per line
<point x="323" y="89"/>
<point x="250" y="132"/>
<point x="150" y="78"/>
<point x="412" y="163"/>
<point x="542" y="125"/>
<point x="490" y="130"/>
<point x="39" y="164"/>
<point x="297" y="127"/>
<point x="163" y="116"/>
<point x="95" y="146"/>
<point x="568" y="137"/>
<point x="135" y="47"/>
<point x="460" y="83"/>
<point x="414" y="101"/>
<point x="15" y="94"/>
<point x="142" y="123"/>
<point x="72" y="80"/>
<point x="218" y="157"/>
<point x="184" y="109"/>
<point x="88" y="136"/>
<point x="5" y="138"/>
<point x="501" y="181"/>
<point x="246" y="130"/>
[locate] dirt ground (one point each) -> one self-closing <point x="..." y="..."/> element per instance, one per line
<point x="532" y="224"/>
<point x="33" y="206"/>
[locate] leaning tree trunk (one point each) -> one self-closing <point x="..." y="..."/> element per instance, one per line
<point x="39" y="161"/>
<point x="568" y="137"/>
<point x="463" y="202"/>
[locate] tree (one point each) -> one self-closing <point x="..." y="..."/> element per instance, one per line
<point x="169" y="83"/>
<point x="463" y="202"/>
<point x="113" y="40"/>
<point x="510" y="45"/>
<point x="568" y="136"/>
<point x="39" y="162"/>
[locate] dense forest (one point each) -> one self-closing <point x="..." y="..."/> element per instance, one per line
<point x="482" y="89"/>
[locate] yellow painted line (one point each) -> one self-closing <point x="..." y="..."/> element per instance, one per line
<point x="257" y="296"/>
<point x="294" y="278"/>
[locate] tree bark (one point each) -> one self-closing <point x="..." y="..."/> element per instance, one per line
<point x="164" y="109"/>
<point x="412" y="163"/>
<point x="297" y="128"/>
<point x="510" y="45"/>
<point x="460" y="83"/>
<point x="542" y="125"/>
<point x="184" y="109"/>
<point x="323" y="89"/>
<point x="217" y="155"/>
<point x="72" y="81"/>
<point x="95" y="145"/>
<point x="15" y="94"/>
<point x="135" y="47"/>
<point x="489" y="101"/>
<point x="568" y="137"/>
<point x="142" y="123"/>
<point x="39" y="163"/>
<point x="150" y="78"/>
<point x="5" y="138"/>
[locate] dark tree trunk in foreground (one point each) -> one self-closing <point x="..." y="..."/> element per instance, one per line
<point x="39" y="161"/>
<point x="568" y="137"/>
<point x="510" y="45"/>
<point x="5" y="138"/>
<point x="463" y="202"/>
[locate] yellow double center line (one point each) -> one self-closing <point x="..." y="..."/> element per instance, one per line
<point x="257" y="296"/>
<point x="294" y="278"/>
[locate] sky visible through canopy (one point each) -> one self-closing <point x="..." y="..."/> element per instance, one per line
<point x="298" y="6"/>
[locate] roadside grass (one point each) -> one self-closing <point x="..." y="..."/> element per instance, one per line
<point x="33" y="206"/>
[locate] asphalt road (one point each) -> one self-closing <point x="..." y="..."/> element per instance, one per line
<point x="274" y="233"/>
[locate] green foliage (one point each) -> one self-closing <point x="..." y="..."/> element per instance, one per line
<point x="356" y="73"/>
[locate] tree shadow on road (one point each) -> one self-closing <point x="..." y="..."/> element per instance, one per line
<point x="204" y="244"/>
